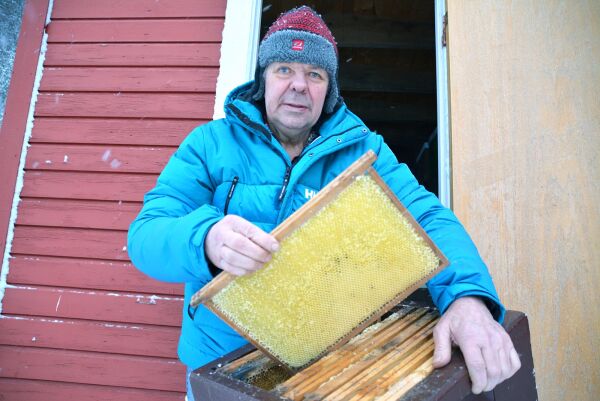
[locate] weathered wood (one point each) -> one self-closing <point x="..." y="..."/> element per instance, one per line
<point x="353" y="381"/>
<point x="50" y="241"/>
<point x="98" y="158"/>
<point x="131" y="105"/>
<point x="140" y="31"/>
<point x="311" y="377"/>
<point x="129" y="79"/>
<point x="92" y="368"/>
<point x="400" y="388"/>
<point x="134" y="54"/>
<point x="86" y="274"/>
<point x="111" y="215"/>
<point x="112" y="131"/>
<point x="41" y="390"/>
<point x="350" y="369"/>
<point x="526" y="171"/>
<point x="393" y="371"/>
<point x="138" y="9"/>
<point x="98" y="186"/>
<point x="107" y="337"/>
<point x="129" y="308"/>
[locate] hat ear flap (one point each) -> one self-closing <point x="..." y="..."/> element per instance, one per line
<point x="259" y="83"/>
<point x="257" y="90"/>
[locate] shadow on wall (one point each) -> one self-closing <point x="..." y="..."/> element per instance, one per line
<point x="11" y="12"/>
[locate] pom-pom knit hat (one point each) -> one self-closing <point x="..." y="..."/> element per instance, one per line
<point x="300" y="36"/>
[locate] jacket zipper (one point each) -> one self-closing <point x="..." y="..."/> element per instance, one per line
<point x="286" y="178"/>
<point x="230" y="193"/>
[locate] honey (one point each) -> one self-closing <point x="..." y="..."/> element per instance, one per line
<point x="331" y="274"/>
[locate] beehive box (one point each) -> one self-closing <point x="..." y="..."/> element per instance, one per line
<point x="390" y="360"/>
<point x="346" y="257"/>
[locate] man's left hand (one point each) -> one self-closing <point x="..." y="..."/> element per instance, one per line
<point x="488" y="350"/>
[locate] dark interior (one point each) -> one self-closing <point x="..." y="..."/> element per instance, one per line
<point x="387" y="71"/>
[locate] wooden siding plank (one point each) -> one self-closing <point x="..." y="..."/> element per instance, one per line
<point x="93" y="186"/>
<point x="138" y="9"/>
<point x="129" y="79"/>
<point x="77" y="335"/>
<point x="132" y="105"/>
<point x="92" y="368"/>
<point x="112" y="215"/>
<point x="50" y="241"/>
<point x="40" y="390"/>
<point x="112" y="131"/>
<point x="139" y="54"/>
<point x="18" y="102"/>
<point x="106" y="31"/>
<point x="93" y="305"/>
<point x="85" y="274"/>
<point x="106" y="158"/>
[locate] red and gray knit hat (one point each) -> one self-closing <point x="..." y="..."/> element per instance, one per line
<point x="300" y="35"/>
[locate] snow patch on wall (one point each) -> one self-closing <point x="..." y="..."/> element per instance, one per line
<point x="21" y="171"/>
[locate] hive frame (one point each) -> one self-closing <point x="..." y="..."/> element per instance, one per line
<point x="309" y="209"/>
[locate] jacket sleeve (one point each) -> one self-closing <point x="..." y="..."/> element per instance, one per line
<point x="166" y="240"/>
<point x="467" y="274"/>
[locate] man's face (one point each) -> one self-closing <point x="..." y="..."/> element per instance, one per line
<point x="294" y="97"/>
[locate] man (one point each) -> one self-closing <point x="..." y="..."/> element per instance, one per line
<point x="285" y="134"/>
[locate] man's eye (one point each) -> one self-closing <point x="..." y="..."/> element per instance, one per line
<point x="284" y="70"/>
<point x="315" y="75"/>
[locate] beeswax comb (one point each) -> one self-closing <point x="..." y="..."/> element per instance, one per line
<point x="346" y="257"/>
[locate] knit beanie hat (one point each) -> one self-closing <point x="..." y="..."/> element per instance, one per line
<point x="299" y="36"/>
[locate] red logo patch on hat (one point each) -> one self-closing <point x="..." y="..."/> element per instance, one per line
<point x="297" y="44"/>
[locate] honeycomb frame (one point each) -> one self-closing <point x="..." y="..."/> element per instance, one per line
<point x="328" y="194"/>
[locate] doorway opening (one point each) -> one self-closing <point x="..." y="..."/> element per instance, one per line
<point x="387" y="73"/>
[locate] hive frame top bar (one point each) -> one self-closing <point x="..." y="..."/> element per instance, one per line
<point x="360" y="167"/>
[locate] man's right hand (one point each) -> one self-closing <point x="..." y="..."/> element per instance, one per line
<point x="237" y="246"/>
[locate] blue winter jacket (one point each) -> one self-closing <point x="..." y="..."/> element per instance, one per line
<point x="166" y="240"/>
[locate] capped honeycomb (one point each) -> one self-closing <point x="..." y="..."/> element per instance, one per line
<point x="336" y="271"/>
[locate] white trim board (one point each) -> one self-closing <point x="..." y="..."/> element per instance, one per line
<point x="443" y="108"/>
<point x="239" y="48"/>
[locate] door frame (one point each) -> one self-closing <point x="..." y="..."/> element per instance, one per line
<point x="238" y="60"/>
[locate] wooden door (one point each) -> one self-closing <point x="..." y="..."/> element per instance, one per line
<point x="525" y="130"/>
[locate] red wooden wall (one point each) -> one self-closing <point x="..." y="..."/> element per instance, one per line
<point x="123" y="82"/>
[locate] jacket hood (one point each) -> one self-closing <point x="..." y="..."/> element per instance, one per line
<point x="239" y="100"/>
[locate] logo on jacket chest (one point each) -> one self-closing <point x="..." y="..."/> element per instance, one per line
<point x="309" y="193"/>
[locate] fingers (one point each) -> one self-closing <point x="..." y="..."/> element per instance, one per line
<point x="238" y="246"/>
<point x="256" y="235"/>
<point x="493" y="366"/>
<point x="487" y="349"/>
<point x="515" y="361"/>
<point x="476" y="366"/>
<point x="443" y="344"/>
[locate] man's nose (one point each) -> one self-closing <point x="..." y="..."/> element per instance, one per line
<point x="298" y="83"/>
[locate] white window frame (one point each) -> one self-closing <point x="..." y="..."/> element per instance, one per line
<point x="239" y="48"/>
<point x="239" y="51"/>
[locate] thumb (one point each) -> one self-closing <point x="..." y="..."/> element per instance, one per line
<point x="443" y="345"/>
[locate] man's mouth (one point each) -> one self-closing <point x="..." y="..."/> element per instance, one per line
<point x="296" y="106"/>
